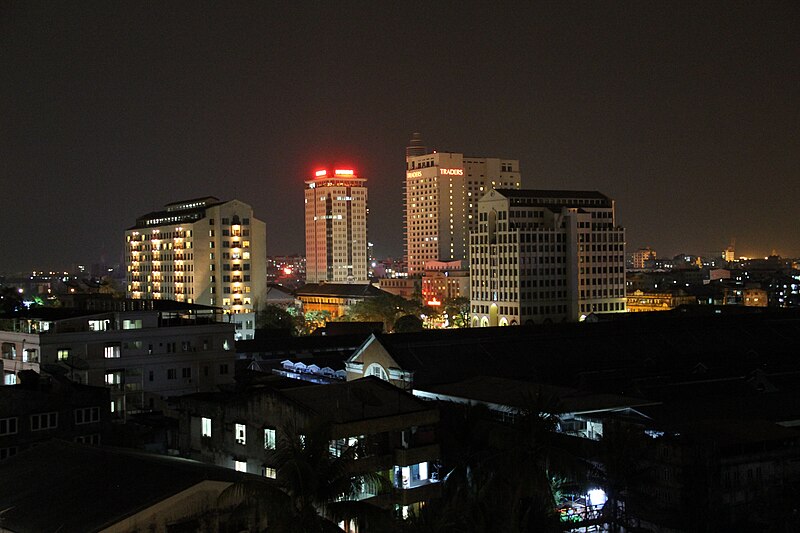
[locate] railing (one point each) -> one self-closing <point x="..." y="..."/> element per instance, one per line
<point x="417" y="454"/>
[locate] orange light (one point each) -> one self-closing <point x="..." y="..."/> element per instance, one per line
<point x="340" y="172"/>
<point x="434" y="302"/>
<point x="319" y="173"/>
<point x="287" y="270"/>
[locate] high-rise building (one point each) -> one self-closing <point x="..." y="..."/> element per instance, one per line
<point x="202" y="251"/>
<point x="545" y="256"/>
<point x="336" y="227"/>
<point x="441" y="201"/>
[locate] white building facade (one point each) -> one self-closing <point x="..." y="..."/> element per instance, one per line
<point x="142" y="356"/>
<point x="441" y="202"/>
<point x="202" y="251"/>
<point x="545" y="256"/>
<point x="336" y="227"/>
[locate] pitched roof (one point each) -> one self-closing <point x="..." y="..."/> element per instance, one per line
<point x="60" y="486"/>
<point x="520" y="394"/>
<point x="343" y="290"/>
<point x="620" y="352"/>
<point x="356" y="400"/>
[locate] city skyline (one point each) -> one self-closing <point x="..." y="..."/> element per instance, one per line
<point x="686" y="116"/>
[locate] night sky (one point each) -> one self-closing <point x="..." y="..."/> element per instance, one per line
<point x="689" y="116"/>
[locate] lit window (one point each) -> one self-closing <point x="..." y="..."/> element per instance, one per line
<point x="269" y="472"/>
<point x="111" y="352"/>
<point x="241" y="434"/>
<point x="269" y="439"/>
<point x="240" y="466"/>
<point x="63" y="354"/>
<point x="205" y="424"/>
<point x="378" y="371"/>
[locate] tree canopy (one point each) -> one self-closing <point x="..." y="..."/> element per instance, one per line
<point x="386" y="308"/>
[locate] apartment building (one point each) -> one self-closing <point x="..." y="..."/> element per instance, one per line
<point x="203" y="251"/>
<point x="336" y="227"/>
<point x="441" y="196"/>
<point x="393" y="432"/>
<point x="545" y="256"/>
<point x="143" y="357"/>
<point x="42" y="407"/>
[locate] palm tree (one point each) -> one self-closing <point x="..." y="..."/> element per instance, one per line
<point x="499" y="474"/>
<point x="313" y="490"/>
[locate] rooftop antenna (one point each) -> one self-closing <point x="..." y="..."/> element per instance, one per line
<point x="415" y="146"/>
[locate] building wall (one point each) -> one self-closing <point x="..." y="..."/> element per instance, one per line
<point x="20" y="351"/>
<point x="445" y="280"/>
<point x="336" y="228"/>
<point x="441" y="202"/>
<point x="217" y="259"/>
<point x="54" y="405"/>
<point x="408" y="288"/>
<point x="364" y="362"/>
<point x="141" y="365"/>
<point x="538" y="258"/>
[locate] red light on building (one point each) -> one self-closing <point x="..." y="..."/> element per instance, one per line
<point x="434" y="302"/>
<point x="287" y="271"/>
<point x="340" y="172"/>
<point x="319" y="173"/>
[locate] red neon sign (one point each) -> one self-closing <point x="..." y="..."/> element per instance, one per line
<point x="319" y="173"/>
<point x="340" y="172"/>
<point x="434" y="301"/>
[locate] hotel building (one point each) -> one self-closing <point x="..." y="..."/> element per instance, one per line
<point x="336" y="227"/>
<point x="202" y="251"/>
<point x="545" y="256"/>
<point x="441" y="201"/>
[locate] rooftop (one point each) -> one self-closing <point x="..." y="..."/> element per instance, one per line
<point x="65" y="487"/>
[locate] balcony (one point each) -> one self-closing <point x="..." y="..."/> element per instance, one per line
<point x="423" y="491"/>
<point x="417" y="454"/>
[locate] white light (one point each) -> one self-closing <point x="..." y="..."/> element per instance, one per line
<point x="597" y="497"/>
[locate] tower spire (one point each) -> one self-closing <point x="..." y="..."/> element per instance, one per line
<point x="415" y="146"/>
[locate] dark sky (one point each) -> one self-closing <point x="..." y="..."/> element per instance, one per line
<point x="687" y="115"/>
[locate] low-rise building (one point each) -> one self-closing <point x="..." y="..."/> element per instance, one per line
<point x="73" y="488"/>
<point x="393" y="432"/>
<point x="142" y="356"/>
<point x="335" y="298"/>
<point x="444" y="280"/>
<point x="640" y="301"/>
<point x="408" y="288"/>
<point x="43" y="407"/>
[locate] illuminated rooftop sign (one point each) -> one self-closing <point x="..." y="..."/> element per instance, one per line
<point x="340" y="172"/>
<point x="414" y="174"/>
<point x="319" y="173"/>
<point x="451" y="171"/>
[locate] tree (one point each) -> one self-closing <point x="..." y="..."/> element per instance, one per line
<point x="274" y="317"/>
<point x="11" y="301"/>
<point x="408" y="324"/>
<point x="306" y="323"/>
<point x="313" y="489"/>
<point x="499" y="475"/>
<point x="457" y="310"/>
<point x="386" y="308"/>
